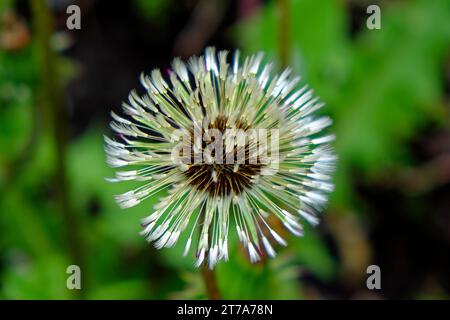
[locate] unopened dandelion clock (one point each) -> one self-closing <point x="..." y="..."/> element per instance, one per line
<point x="229" y="146"/>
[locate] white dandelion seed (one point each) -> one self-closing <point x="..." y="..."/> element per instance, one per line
<point x="209" y="104"/>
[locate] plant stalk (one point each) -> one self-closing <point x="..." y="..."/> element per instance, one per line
<point x="51" y="102"/>
<point x="284" y="32"/>
<point x="208" y="275"/>
<point x="210" y="280"/>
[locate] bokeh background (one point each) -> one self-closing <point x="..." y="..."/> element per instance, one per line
<point x="387" y="91"/>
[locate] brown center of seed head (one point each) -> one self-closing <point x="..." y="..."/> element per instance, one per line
<point x="223" y="179"/>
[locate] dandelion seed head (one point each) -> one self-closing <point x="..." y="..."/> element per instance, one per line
<point x="231" y="145"/>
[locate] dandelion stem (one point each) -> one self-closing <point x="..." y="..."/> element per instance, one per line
<point x="209" y="278"/>
<point x="51" y="101"/>
<point x="284" y="34"/>
<point x="208" y="275"/>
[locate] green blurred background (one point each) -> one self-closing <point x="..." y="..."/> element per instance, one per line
<point x="387" y="91"/>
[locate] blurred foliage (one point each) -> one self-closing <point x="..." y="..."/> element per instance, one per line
<point x="154" y="10"/>
<point x="381" y="87"/>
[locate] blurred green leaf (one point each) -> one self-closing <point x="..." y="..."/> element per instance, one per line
<point x="271" y="279"/>
<point x="41" y="278"/>
<point x="152" y="10"/>
<point x="133" y="289"/>
<point x="312" y="253"/>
